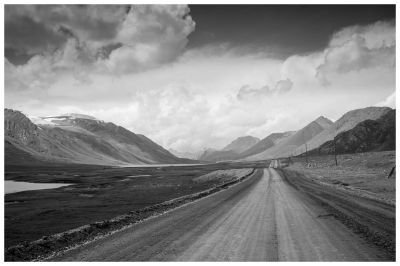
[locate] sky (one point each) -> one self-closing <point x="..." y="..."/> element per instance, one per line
<point x="198" y="76"/>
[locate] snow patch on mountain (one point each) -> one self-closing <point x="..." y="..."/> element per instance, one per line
<point x="41" y="120"/>
<point x="81" y="116"/>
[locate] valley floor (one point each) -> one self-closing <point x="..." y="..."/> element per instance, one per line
<point x="268" y="217"/>
<point x="304" y="212"/>
<point x="97" y="193"/>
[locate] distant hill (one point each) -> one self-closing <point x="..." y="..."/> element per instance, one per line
<point x="348" y="121"/>
<point x="295" y="140"/>
<point x="188" y="155"/>
<point x="231" y="151"/>
<point x="75" y="138"/>
<point x="218" y="156"/>
<point x="368" y="135"/>
<point x="275" y="144"/>
<point x="241" y="144"/>
<point x="266" y="143"/>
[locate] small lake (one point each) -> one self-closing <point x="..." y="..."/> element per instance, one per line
<point x="16" y="186"/>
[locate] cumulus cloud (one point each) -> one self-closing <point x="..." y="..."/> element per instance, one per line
<point x="246" y="92"/>
<point x="249" y="93"/>
<point x="114" y="39"/>
<point x="42" y="28"/>
<point x="42" y="70"/>
<point x="283" y="86"/>
<point x="150" y="36"/>
<point x="390" y="101"/>
<point x="376" y="35"/>
<point x="357" y="48"/>
<point x="207" y="96"/>
<point x="36" y="74"/>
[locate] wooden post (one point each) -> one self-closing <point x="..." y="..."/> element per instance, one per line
<point x="391" y="172"/>
<point x="306" y="153"/>
<point x="334" y="145"/>
<point x="305" y="143"/>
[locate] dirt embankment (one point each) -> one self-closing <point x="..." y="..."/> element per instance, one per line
<point x="49" y="245"/>
<point x="374" y="220"/>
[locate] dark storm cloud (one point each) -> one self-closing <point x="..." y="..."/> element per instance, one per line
<point x="282" y="30"/>
<point x="24" y="36"/>
<point x="285" y="29"/>
<point x="34" y="29"/>
<point x="47" y="43"/>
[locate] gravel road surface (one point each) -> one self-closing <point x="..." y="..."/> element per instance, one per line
<point x="263" y="218"/>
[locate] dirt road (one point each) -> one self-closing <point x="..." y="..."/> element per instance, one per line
<point x="261" y="219"/>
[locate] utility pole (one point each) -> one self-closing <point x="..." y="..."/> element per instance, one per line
<point x="305" y="143"/>
<point x="306" y="153"/>
<point x="334" y="145"/>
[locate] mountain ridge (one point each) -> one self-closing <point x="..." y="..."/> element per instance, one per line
<point x="298" y="138"/>
<point x="73" y="139"/>
<point x="241" y="144"/>
<point x="368" y="135"/>
<point x="78" y="138"/>
<point x="346" y="122"/>
<point x="231" y="151"/>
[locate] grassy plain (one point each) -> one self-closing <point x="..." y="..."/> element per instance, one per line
<point x="366" y="173"/>
<point x="98" y="193"/>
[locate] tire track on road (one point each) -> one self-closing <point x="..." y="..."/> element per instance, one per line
<point x="261" y="219"/>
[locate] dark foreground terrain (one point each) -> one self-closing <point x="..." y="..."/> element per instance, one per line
<point x="277" y="216"/>
<point x="98" y="193"/>
<point x="267" y="215"/>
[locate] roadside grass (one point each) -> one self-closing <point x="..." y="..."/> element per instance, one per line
<point x="223" y="176"/>
<point x="364" y="172"/>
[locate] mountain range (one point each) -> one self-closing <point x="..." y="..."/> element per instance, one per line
<point x="231" y="151"/>
<point x="368" y="135"/>
<point x="274" y="144"/>
<point x="348" y="121"/>
<point x="189" y="155"/>
<point x="317" y="133"/>
<point x="241" y="144"/>
<point x="297" y="139"/>
<point x="75" y="138"/>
